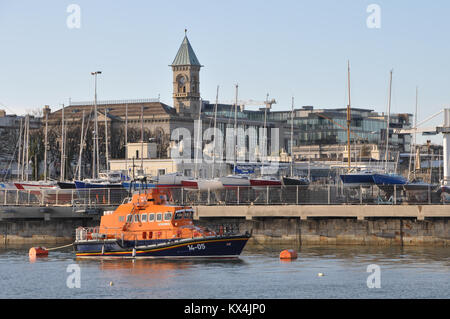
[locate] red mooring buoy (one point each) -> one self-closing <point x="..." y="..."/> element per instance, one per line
<point x="38" y="252"/>
<point x="288" y="254"/>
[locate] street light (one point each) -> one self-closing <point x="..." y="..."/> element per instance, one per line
<point x="96" y="162"/>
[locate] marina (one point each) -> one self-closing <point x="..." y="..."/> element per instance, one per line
<point x="234" y="150"/>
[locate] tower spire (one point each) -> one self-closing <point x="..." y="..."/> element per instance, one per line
<point x="186" y="79"/>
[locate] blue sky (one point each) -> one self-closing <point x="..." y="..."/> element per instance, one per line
<point x="284" y="48"/>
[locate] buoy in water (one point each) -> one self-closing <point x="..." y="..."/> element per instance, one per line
<point x="38" y="252"/>
<point x="288" y="254"/>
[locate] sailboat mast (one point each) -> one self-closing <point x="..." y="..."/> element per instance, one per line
<point x="45" y="146"/>
<point x="235" y="130"/>
<point x="198" y="141"/>
<point x="126" y="137"/>
<point x="62" y="146"/>
<point x="22" y="168"/>
<point x="349" y="122"/>
<point x="265" y="133"/>
<point x="106" y="140"/>
<point x="28" y="146"/>
<point x="292" y="138"/>
<point x="215" y="132"/>
<point x="415" y="125"/>
<point x="81" y="147"/>
<point x="387" y="124"/>
<point x="142" y="138"/>
<point x="414" y="141"/>
<point x="20" y="150"/>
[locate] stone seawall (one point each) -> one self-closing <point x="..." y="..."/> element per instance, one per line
<point x="300" y="225"/>
<point x="40" y="231"/>
<point x="340" y="231"/>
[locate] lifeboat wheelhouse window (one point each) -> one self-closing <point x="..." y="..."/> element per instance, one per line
<point x="168" y="216"/>
<point x="158" y="217"/>
<point x="129" y="218"/>
<point x="179" y="215"/>
<point x="136" y="218"/>
<point x="121" y="219"/>
<point x="151" y="218"/>
<point x="188" y="215"/>
<point x="144" y="218"/>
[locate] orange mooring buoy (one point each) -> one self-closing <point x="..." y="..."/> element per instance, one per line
<point x="288" y="254"/>
<point x="38" y="252"/>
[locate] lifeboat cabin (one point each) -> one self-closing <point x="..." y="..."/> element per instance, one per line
<point x="147" y="226"/>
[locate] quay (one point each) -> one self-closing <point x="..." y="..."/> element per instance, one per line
<point x="388" y="225"/>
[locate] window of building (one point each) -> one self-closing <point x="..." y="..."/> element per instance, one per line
<point x="188" y="172"/>
<point x="161" y="172"/>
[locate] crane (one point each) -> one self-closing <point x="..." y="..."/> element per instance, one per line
<point x="242" y="103"/>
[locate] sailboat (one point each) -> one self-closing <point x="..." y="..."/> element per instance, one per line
<point x="355" y="177"/>
<point x="26" y="184"/>
<point x="235" y="180"/>
<point x="197" y="183"/>
<point x="265" y="180"/>
<point x="417" y="190"/>
<point x="386" y="180"/>
<point x="292" y="180"/>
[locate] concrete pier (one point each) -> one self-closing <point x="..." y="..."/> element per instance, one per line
<point x="29" y="225"/>
<point x="335" y="225"/>
<point x="304" y="212"/>
<point x="284" y="224"/>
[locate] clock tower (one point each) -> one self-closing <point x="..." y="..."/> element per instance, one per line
<point x="186" y="80"/>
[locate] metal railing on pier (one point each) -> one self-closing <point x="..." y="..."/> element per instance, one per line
<point x="263" y="195"/>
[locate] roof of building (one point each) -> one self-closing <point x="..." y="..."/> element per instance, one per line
<point x="117" y="109"/>
<point x="186" y="55"/>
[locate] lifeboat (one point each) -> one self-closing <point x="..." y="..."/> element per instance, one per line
<point x="148" y="227"/>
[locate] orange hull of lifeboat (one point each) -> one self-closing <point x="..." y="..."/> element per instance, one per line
<point x="147" y="226"/>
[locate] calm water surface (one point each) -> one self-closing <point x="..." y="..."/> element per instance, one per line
<point x="405" y="273"/>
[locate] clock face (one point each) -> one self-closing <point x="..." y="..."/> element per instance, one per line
<point x="181" y="80"/>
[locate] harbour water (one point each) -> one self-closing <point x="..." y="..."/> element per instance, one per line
<point x="413" y="272"/>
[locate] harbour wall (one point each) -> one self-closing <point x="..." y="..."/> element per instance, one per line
<point x="296" y="225"/>
<point x="31" y="225"/>
<point x="335" y="225"/>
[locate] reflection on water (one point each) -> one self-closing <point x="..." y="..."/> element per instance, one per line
<point x="406" y="272"/>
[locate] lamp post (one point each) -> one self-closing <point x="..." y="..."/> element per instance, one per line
<point x="95" y="162"/>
